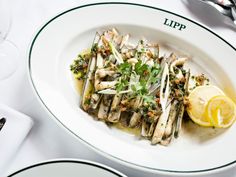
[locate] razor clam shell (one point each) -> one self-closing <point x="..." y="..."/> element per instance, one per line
<point x="153" y="124"/>
<point x="154" y="88"/>
<point x="151" y="129"/>
<point x="105" y="85"/>
<point x="97" y="38"/>
<point x="179" y="61"/>
<point x="99" y="62"/>
<point x="88" y="86"/>
<point x="114" y="114"/>
<point x="154" y="48"/>
<point x="145" y="128"/>
<point x="135" y="119"/>
<point x="179" y="120"/>
<point x="171" y="119"/>
<point x="101" y="73"/>
<point x="94" y="104"/>
<point x="160" y="127"/>
<point x="182" y="108"/>
<point x="164" y="84"/>
<point x="104" y="107"/>
<point x="136" y="116"/>
<point x="166" y="141"/>
<point x="124" y="40"/>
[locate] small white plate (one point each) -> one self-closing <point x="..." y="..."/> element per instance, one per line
<point x="67" y="167"/>
<point x="56" y="45"/>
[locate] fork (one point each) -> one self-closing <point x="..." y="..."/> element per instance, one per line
<point x="228" y="9"/>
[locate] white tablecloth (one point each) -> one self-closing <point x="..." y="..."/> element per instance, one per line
<point x="47" y="140"/>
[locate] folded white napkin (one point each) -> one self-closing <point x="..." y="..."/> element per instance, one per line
<point x="12" y="134"/>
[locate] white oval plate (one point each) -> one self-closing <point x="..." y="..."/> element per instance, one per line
<point x="67" y="167"/>
<point x="60" y="40"/>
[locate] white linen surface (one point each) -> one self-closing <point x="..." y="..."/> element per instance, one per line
<point x="12" y="134"/>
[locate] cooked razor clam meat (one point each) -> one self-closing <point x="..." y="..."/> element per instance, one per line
<point x="132" y="83"/>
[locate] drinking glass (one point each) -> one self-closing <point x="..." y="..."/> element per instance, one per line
<point x="9" y="53"/>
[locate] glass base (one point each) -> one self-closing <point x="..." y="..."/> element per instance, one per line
<point x="9" y="57"/>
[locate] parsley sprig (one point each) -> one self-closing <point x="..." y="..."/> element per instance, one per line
<point x="125" y="69"/>
<point x="148" y="75"/>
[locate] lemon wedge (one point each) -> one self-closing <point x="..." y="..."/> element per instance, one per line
<point x="198" y="100"/>
<point x="221" y="111"/>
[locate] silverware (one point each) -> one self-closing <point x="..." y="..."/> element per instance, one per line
<point x="234" y="2"/>
<point x="226" y="7"/>
<point x="2" y="122"/>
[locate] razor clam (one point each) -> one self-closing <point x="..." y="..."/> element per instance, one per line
<point x="124" y="40"/>
<point x="152" y="127"/>
<point x="117" y="55"/>
<point x="99" y="63"/>
<point x="164" y="95"/>
<point x="101" y="85"/>
<point x="177" y="62"/>
<point x="145" y="128"/>
<point x="105" y="85"/>
<point x="98" y="72"/>
<point x="104" y="107"/>
<point x="154" y="49"/>
<point x="164" y="90"/>
<point x="171" y="119"/>
<point x="160" y="127"/>
<point x="172" y="57"/>
<point x="181" y="109"/>
<point x="166" y="141"/>
<point x="101" y="73"/>
<point x="95" y="100"/>
<point x="155" y="87"/>
<point x="117" y="38"/>
<point x="109" y="35"/>
<point x="135" y="119"/>
<point x="88" y="86"/>
<point x="179" y="119"/>
<point x="97" y="38"/>
<point x="136" y="116"/>
<point x="114" y="114"/>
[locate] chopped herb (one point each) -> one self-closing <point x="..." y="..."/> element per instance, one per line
<point x="94" y="48"/>
<point x="125" y="68"/>
<point x="80" y="65"/>
<point x="121" y="85"/>
<point x="140" y="68"/>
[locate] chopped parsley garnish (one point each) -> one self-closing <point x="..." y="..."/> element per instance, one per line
<point x="80" y="65"/>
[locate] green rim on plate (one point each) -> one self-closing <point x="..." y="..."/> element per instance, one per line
<point x="95" y="148"/>
<point x="85" y="162"/>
